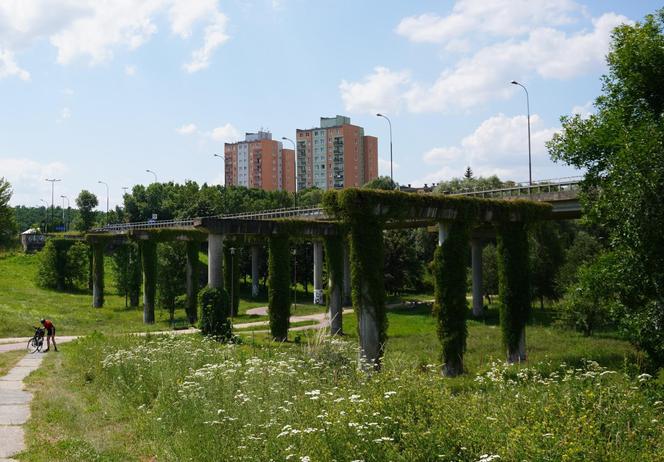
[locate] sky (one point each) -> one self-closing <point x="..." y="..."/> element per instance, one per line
<point x="96" y="91"/>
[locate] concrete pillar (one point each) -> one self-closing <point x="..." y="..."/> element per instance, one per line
<point x="347" y="298"/>
<point x="192" y="281"/>
<point x="318" y="273"/>
<point x="216" y="261"/>
<point x="476" y="250"/>
<point x="149" y="264"/>
<point x="97" y="274"/>
<point x="255" y="251"/>
<point x="442" y="233"/>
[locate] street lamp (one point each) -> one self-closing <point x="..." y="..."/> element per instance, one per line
<point x="390" y="123"/>
<point x="155" y="175"/>
<point x="105" y="184"/>
<point x="53" y="181"/>
<point x="45" y="214"/>
<point x="223" y="172"/>
<point x="294" y="167"/>
<point x="530" y="169"/>
<point x="63" y="210"/>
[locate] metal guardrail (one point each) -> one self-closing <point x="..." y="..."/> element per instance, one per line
<point x="525" y="189"/>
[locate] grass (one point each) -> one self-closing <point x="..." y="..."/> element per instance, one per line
<point x="9" y="359"/>
<point x="185" y="398"/>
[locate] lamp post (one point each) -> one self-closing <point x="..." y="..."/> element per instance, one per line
<point x="53" y="181"/>
<point x="105" y="184"/>
<point x="530" y="169"/>
<point x="294" y="167"/>
<point x="63" y="210"/>
<point x="45" y="214"/>
<point x="390" y="124"/>
<point x="223" y="172"/>
<point x="155" y="175"/>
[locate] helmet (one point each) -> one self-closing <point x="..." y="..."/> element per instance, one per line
<point x="42" y="320"/>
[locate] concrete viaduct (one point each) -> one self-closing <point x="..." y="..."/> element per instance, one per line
<point x="314" y="224"/>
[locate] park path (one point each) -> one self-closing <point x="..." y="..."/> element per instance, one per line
<point x="15" y="406"/>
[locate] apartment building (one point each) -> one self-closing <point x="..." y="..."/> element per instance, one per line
<point x="335" y="155"/>
<point x="259" y="162"/>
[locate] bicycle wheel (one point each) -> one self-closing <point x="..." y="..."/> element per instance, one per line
<point x="33" y="345"/>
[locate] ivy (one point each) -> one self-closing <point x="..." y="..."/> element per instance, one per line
<point x="279" y="286"/>
<point x="334" y="259"/>
<point x="232" y="270"/>
<point x="514" y="286"/>
<point x="98" y="274"/>
<point x="193" y="275"/>
<point x="214" y="313"/>
<point x="451" y="306"/>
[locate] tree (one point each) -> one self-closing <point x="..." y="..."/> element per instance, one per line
<point x="489" y="271"/>
<point x="469" y="173"/>
<point x="7" y="217"/>
<point x="127" y="270"/>
<point x="382" y="182"/>
<point x="472" y="183"/>
<point x="171" y="275"/>
<point x="86" y="201"/>
<point x="546" y="258"/>
<point x="621" y="149"/>
<point x="403" y="268"/>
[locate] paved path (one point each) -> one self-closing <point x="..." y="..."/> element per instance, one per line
<point x="15" y="406"/>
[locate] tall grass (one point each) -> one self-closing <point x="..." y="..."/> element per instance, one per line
<point x="185" y="398"/>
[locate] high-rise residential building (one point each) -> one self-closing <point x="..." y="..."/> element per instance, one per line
<point x="335" y="155"/>
<point x="259" y="162"/>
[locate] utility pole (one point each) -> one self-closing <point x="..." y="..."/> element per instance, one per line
<point x="53" y="181"/>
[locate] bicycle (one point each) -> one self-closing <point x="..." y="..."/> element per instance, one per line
<point x="36" y="343"/>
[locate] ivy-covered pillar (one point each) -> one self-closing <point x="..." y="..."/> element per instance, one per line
<point x="279" y="287"/>
<point x="216" y="261"/>
<point x="334" y="259"/>
<point x="318" y="273"/>
<point x="149" y="264"/>
<point x="255" y="255"/>
<point x="450" y="306"/>
<point x="346" y="294"/>
<point x="476" y="261"/>
<point x="192" y="281"/>
<point x="513" y="287"/>
<point x="98" y="273"/>
<point x="368" y="288"/>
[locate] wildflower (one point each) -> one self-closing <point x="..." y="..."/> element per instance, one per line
<point x="305" y="459"/>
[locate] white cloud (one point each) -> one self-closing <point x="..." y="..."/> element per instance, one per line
<point x="498" y="146"/>
<point x="584" y="110"/>
<point x="68" y="92"/>
<point x="65" y="114"/>
<point x="27" y="178"/>
<point x="485" y="75"/>
<point x="187" y="129"/>
<point x="8" y="66"/>
<point x="226" y="133"/>
<point x="379" y="92"/>
<point x="93" y="30"/>
<point x="130" y="71"/>
<point x="384" y="166"/>
<point x="496" y="17"/>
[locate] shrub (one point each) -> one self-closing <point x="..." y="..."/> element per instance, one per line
<point x="63" y="265"/>
<point x="215" y="310"/>
<point x="279" y="287"/>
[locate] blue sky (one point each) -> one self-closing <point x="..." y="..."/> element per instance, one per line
<point x="94" y="91"/>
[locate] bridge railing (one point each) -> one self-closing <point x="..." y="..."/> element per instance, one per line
<point x="525" y="189"/>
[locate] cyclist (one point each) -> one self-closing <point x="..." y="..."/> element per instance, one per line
<point x="50" y="334"/>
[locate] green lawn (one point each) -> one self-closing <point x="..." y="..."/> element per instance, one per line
<point x="9" y="360"/>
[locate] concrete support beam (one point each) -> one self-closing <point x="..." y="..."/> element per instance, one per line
<point x="476" y="251"/>
<point x="98" y="274"/>
<point x="255" y="253"/>
<point x="318" y="273"/>
<point x="149" y="264"/>
<point x="216" y="261"/>
<point x="192" y="281"/>
<point x="347" y="297"/>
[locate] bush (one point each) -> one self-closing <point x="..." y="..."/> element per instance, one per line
<point x="215" y="310"/>
<point x="63" y="265"/>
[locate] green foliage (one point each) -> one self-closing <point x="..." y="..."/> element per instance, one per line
<point x="126" y="264"/>
<point x="620" y="147"/>
<point x="514" y="285"/>
<point x="148" y="250"/>
<point x="403" y="262"/>
<point x="7" y="219"/>
<point x="590" y="303"/>
<point x="546" y="258"/>
<point x="63" y="265"/>
<point x="451" y="306"/>
<point x="171" y="274"/>
<point x="470" y="183"/>
<point x="214" y="313"/>
<point x="193" y="275"/>
<point x="382" y="182"/>
<point x="583" y="249"/>
<point x="489" y="271"/>
<point x="86" y="201"/>
<point x="279" y="286"/>
<point x="232" y="274"/>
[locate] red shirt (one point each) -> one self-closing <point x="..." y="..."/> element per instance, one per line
<point x="48" y="324"/>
